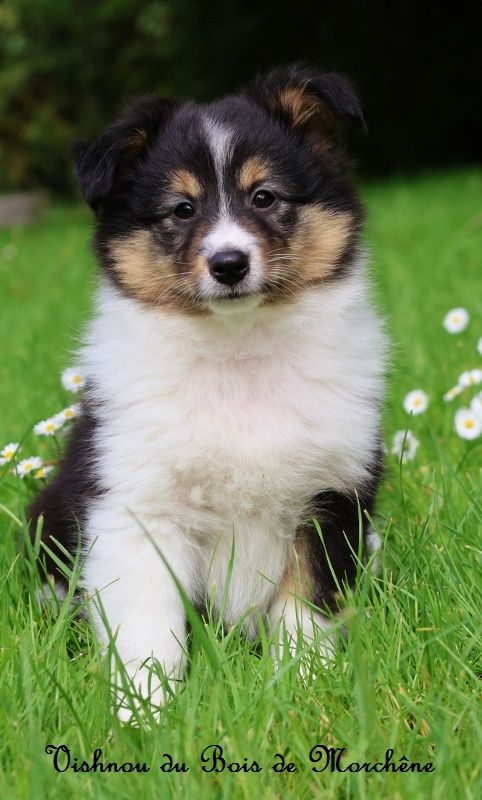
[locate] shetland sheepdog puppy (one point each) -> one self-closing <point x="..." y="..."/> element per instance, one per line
<point x="234" y="373"/>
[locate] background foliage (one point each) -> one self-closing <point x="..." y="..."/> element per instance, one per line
<point x="66" y="66"/>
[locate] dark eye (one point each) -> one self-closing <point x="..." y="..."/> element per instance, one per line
<point x="184" y="210"/>
<point x="263" y="199"/>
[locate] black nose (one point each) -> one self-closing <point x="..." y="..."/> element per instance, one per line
<point x="229" y="266"/>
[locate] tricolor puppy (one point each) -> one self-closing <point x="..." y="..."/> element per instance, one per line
<point x="234" y="370"/>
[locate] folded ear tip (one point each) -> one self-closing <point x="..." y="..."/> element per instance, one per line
<point x="333" y="88"/>
<point x="340" y="94"/>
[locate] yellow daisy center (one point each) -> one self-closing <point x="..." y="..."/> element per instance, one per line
<point x="76" y="378"/>
<point x="469" y="423"/>
<point x="456" y="318"/>
<point x="50" y="426"/>
<point x="68" y="413"/>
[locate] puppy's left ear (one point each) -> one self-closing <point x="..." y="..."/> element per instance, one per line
<point x="307" y="100"/>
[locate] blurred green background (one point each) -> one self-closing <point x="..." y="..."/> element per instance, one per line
<point x="67" y="65"/>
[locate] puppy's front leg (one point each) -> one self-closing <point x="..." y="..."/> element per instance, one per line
<point x="139" y="598"/>
<point x="293" y="619"/>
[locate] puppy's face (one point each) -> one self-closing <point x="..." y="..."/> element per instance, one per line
<point x="213" y="208"/>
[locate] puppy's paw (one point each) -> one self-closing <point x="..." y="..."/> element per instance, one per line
<point x="140" y="693"/>
<point x="306" y="636"/>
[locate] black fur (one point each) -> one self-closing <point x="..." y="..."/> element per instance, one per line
<point x="334" y="555"/>
<point x="64" y="502"/>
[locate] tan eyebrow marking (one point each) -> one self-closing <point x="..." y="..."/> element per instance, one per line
<point x="254" y="170"/>
<point x="185" y="182"/>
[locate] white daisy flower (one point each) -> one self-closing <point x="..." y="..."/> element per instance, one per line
<point x="42" y="472"/>
<point x="72" y="379"/>
<point x="456" y="320"/>
<point x="408" y="443"/>
<point x="471" y="377"/>
<point x="47" y="427"/>
<point x="479" y="346"/>
<point x="467" y="424"/>
<point x="68" y="413"/>
<point x="8" y="452"/>
<point x="28" y="465"/>
<point x="416" y="402"/>
<point x="452" y="393"/>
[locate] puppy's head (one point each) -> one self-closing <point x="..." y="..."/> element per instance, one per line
<point x="213" y="208"/>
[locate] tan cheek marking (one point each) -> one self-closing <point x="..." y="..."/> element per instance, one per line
<point x="148" y="275"/>
<point x="253" y="171"/>
<point x="322" y="236"/>
<point x="185" y="182"/>
<point x="137" y="269"/>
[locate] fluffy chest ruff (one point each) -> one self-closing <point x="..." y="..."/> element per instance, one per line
<point x="224" y="429"/>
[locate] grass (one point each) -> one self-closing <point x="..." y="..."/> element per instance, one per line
<point x="408" y="676"/>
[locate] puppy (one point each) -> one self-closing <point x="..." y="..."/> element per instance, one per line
<point x="234" y="372"/>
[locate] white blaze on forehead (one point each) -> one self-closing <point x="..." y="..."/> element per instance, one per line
<point x="220" y="140"/>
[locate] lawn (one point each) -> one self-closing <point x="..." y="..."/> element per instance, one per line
<point x="408" y="675"/>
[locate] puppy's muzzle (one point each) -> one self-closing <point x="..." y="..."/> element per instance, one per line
<point x="229" y="266"/>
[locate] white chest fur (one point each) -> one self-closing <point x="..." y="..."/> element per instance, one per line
<point x="231" y="424"/>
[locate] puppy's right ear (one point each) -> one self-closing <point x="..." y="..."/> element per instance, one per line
<point x="97" y="163"/>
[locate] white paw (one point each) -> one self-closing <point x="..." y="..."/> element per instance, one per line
<point x="141" y="692"/>
<point x="305" y="635"/>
